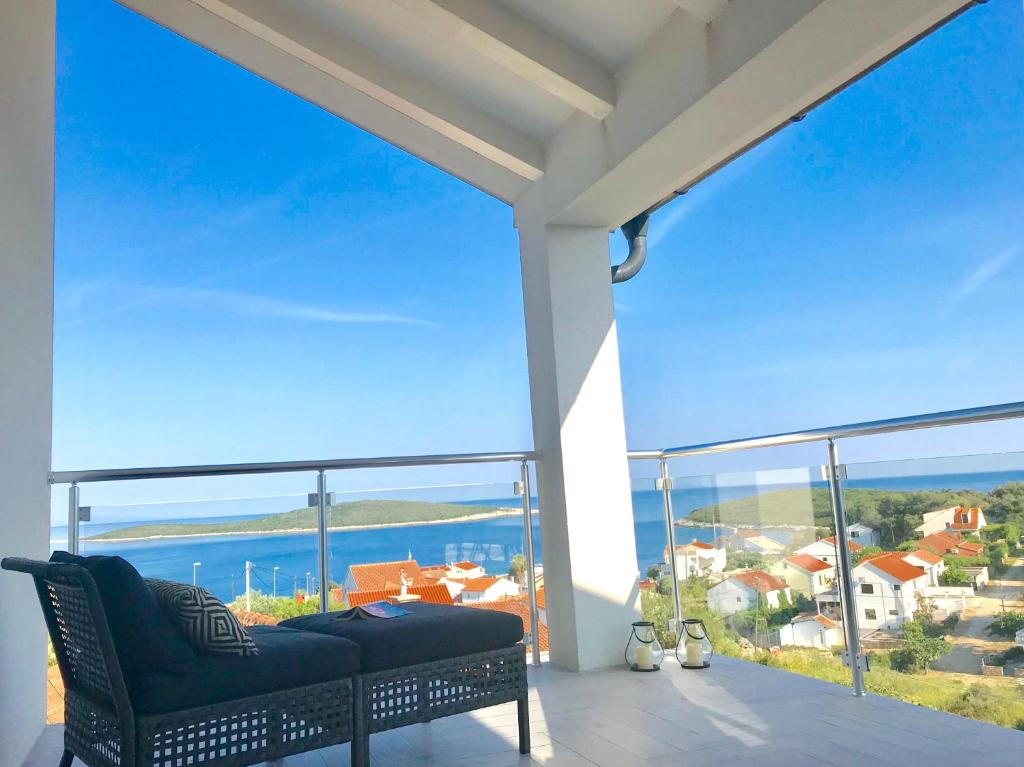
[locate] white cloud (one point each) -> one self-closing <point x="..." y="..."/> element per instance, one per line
<point x="984" y="273"/>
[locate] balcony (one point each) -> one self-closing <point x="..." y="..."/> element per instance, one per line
<point x="734" y="713"/>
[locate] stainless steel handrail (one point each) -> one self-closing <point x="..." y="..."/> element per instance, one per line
<point x="279" y="467"/>
<point x="867" y="428"/>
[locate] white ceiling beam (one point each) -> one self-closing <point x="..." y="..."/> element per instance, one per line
<point x="700" y="95"/>
<point x="404" y="92"/>
<point x="705" y="10"/>
<point x="522" y="48"/>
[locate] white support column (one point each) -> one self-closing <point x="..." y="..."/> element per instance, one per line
<point x="27" y="31"/>
<point x="587" y="538"/>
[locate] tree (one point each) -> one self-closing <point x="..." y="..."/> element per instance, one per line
<point x="919" y="651"/>
<point x="1006" y="503"/>
<point x="744" y="560"/>
<point x="867" y="551"/>
<point x="954" y="575"/>
<point x="654" y="572"/>
<point x="517" y="569"/>
<point x="1007" y="624"/>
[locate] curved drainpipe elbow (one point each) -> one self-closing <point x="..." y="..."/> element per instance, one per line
<point x="635" y="232"/>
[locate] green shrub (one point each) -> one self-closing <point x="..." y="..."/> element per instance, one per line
<point x="282" y="608"/>
<point x="919" y="651"/>
<point x="1007" y="624"/>
<point x="954" y="575"/>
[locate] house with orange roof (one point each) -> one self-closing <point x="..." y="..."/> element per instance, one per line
<point x="465" y="570"/>
<point x="520" y="606"/>
<point x="696" y="558"/>
<point x="812" y="630"/>
<point x="740" y="592"/>
<point x="825" y="549"/>
<point x="489" y="588"/>
<point x="435" y="593"/>
<point x="943" y="543"/>
<point x="956" y="519"/>
<point x="930" y="562"/>
<point x="805" y="574"/>
<point x="383" y="575"/>
<point x="886" y="587"/>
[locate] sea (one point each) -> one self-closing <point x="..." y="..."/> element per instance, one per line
<point x="284" y="563"/>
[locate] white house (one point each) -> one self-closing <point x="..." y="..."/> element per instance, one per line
<point x="825" y="549"/>
<point x="956" y="519"/>
<point x="812" y="631"/>
<point x="930" y="562"/>
<point x="489" y="588"/>
<point x="697" y="558"/>
<point x="805" y="574"/>
<point x="886" y="587"/>
<point x="864" y="535"/>
<point x="739" y="592"/>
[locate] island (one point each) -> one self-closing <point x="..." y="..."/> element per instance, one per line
<point x="342" y="516"/>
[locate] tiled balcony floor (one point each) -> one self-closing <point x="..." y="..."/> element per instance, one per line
<point x="734" y="713"/>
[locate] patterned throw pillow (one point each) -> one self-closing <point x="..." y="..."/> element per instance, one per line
<point x="207" y="623"/>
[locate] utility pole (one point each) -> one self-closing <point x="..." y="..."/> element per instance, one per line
<point x="195" y="566"/>
<point x="276" y="568"/>
<point x="232" y="587"/>
<point x="248" y="576"/>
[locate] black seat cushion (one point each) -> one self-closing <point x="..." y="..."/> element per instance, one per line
<point x="430" y="632"/>
<point x="287" y="659"/>
<point x="144" y="636"/>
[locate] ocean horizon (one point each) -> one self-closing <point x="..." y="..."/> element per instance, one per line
<point x="491" y="542"/>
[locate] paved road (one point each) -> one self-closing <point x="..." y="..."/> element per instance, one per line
<point x="970" y="638"/>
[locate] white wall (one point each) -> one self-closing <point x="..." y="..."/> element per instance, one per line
<point x="885" y="599"/>
<point x="26" y="356"/>
<point x="590" y="567"/>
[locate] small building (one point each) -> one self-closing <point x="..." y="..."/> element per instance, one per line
<point x="739" y="592"/>
<point x="826" y="550"/>
<point x="886" y="586"/>
<point x="812" y="630"/>
<point x="383" y="575"/>
<point x="943" y="543"/>
<point x="930" y="562"/>
<point x="863" y="535"/>
<point x="435" y="593"/>
<point x="957" y="519"/>
<point x="805" y="574"/>
<point x="697" y="558"/>
<point x="489" y="588"/>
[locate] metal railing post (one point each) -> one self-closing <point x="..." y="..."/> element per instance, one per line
<point x="665" y="485"/>
<point x="531" y="572"/>
<point x="321" y="508"/>
<point x="73" y="500"/>
<point x="855" y="659"/>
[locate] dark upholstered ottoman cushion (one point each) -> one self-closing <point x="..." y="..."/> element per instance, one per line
<point x="430" y="632"/>
<point x="287" y="658"/>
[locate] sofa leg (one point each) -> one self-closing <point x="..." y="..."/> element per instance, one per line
<point x="524" y="725"/>
<point x="66" y="758"/>
<point x="361" y="751"/>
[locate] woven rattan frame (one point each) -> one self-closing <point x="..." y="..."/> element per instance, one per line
<point x="100" y="726"/>
<point x="384" y="700"/>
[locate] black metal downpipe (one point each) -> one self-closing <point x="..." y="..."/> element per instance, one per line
<point x="635" y="232"/>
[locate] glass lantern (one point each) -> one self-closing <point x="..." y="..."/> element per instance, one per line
<point x="643" y="651"/>
<point x="694" y="649"/>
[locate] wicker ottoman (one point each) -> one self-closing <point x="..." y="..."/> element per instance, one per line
<point x="434" y="662"/>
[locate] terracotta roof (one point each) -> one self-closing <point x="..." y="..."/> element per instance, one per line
<point x="645" y="584"/>
<point x="808" y="563"/>
<point x="946" y="543"/>
<point x="927" y="556"/>
<point x="480" y="584"/>
<point x="695" y="544"/>
<point x="892" y="563"/>
<point x="435" y="593"/>
<point x="976" y="548"/>
<point x="519" y="606"/>
<point x="831" y="540"/>
<point x="466" y="565"/>
<point x="542" y="599"/>
<point x="747" y="533"/>
<point x="965" y="519"/>
<point x="812" y="617"/>
<point x="254" y="619"/>
<point x="382" y="575"/>
<point x="761" y="581"/>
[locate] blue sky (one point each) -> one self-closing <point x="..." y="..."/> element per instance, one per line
<point x="242" y="276"/>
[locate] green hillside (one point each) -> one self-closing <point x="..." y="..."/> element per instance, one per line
<point x="349" y="514"/>
<point x="896" y="513"/>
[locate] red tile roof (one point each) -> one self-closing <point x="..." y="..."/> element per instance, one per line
<point x="542" y="599"/>
<point x="383" y="575"/>
<point x="519" y="606"/>
<point x="480" y="584"/>
<point x="466" y="565"/>
<point x="761" y="581"/>
<point x="927" y="556"/>
<point x="949" y="543"/>
<point x="747" y="533"/>
<point x="827" y="623"/>
<point x="965" y="519"/>
<point x="808" y="563"/>
<point x="435" y="593"/>
<point x="893" y="564"/>
<point x="971" y="547"/>
<point x="695" y="544"/>
<point x="831" y="540"/>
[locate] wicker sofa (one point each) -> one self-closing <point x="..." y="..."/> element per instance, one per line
<point x="131" y="701"/>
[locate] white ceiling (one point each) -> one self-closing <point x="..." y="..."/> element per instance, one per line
<point x="603" y="105"/>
